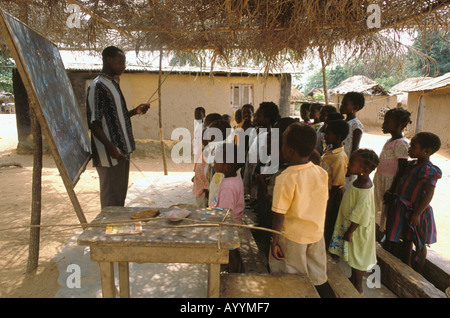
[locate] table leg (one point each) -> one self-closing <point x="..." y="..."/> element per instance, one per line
<point x="124" y="280"/>
<point x="107" y="278"/>
<point x="213" y="280"/>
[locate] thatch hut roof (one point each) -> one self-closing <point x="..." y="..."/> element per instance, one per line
<point x="267" y="32"/>
<point x="296" y="94"/>
<point x="409" y="83"/>
<point x="358" y="83"/>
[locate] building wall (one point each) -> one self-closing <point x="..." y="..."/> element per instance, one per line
<point x="369" y="115"/>
<point x="181" y="94"/>
<point x="436" y="116"/>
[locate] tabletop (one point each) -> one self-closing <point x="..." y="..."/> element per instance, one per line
<point x="161" y="232"/>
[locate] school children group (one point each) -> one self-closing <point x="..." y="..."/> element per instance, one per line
<point x="322" y="197"/>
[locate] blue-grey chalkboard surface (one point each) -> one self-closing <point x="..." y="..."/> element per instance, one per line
<point x="46" y="75"/>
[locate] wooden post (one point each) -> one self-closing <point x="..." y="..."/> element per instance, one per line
<point x="163" y="151"/>
<point x="324" y="75"/>
<point x="33" y="252"/>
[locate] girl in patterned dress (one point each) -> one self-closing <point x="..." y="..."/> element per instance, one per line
<point x="352" y="103"/>
<point x="410" y="216"/>
<point x="393" y="158"/>
<point x="354" y="232"/>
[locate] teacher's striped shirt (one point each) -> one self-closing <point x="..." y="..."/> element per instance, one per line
<point x="106" y="104"/>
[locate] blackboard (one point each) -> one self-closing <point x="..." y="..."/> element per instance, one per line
<point x="51" y="94"/>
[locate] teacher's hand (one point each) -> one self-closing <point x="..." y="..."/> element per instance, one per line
<point x="142" y="109"/>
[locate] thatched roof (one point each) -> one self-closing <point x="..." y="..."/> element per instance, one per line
<point x="268" y="32"/>
<point x="440" y="82"/>
<point x="296" y="94"/>
<point x="358" y="83"/>
<point x="409" y="83"/>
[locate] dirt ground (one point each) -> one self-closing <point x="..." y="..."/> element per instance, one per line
<point x="15" y="206"/>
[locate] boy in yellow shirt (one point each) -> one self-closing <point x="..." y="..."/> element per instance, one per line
<point x="334" y="162"/>
<point x="299" y="204"/>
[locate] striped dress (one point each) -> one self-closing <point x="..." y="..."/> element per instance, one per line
<point x="409" y="191"/>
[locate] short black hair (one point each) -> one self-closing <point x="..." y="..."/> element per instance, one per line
<point x="270" y="110"/>
<point x="200" y="109"/>
<point x="357" y="99"/>
<point x="111" y="51"/>
<point x="314" y="106"/>
<point x="401" y="116"/>
<point x="334" y="116"/>
<point x="212" y="117"/>
<point x="306" y="106"/>
<point x="302" y="138"/>
<point x="339" y="127"/>
<point x="428" y="140"/>
<point x="370" y="158"/>
<point x="250" y="106"/>
<point x="223" y="126"/>
<point x="329" y="109"/>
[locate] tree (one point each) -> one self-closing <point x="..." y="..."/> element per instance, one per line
<point x="435" y="45"/>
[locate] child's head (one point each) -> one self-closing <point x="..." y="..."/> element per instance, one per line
<point x="336" y="132"/>
<point x="247" y="112"/>
<point x="423" y="145"/>
<point x="199" y="113"/>
<point x="314" y="111"/>
<point x="226" y="159"/>
<point x="267" y="114"/>
<point x="362" y="162"/>
<point x="333" y="116"/>
<point x="218" y="130"/>
<point x="352" y="102"/>
<point x="305" y="111"/>
<point x="208" y="120"/>
<point x="227" y="118"/>
<point x="325" y="110"/>
<point x="395" y="120"/>
<point x="299" y="140"/>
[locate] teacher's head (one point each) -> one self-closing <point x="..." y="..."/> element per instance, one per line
<point x="113" y="61"/>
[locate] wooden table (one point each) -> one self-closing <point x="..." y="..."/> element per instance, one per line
<point x="159" y="244"/>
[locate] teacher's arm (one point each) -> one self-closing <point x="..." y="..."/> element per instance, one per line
<point x="112" y="150"/>
<point x="139" y="110"/>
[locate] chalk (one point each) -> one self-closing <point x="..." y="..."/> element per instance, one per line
<point x="220" y="209"/>
<point x="202" y="219"/>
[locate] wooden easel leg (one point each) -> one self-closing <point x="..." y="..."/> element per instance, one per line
<point x="107" y="278"/>
<point x="33" y="253"/>
<point x="213" y="280"/>
<point x="124" y="280"/>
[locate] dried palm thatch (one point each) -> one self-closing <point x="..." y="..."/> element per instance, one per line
<point x="264" y="31"/>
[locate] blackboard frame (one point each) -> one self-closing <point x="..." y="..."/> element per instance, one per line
<point x="48" y="127"/>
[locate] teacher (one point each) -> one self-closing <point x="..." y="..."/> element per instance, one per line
<point x="111" y="132"/>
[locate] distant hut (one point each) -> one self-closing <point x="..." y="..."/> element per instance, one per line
<point x="400" y="89"/>
<point x="377" y="98"/>
<point x="428" y="104"/>
<point x="295" y="99"/>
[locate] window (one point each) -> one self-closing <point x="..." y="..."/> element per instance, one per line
<point x="240" y="95"/>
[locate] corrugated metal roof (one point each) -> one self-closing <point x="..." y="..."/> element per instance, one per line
<point x="87" y="61"/>
<point x="436" y="83"/>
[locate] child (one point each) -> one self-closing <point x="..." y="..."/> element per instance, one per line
<point x="410" y="217"/>
<point x="265" y="117"/>
<point x="231" y="191"/>
<point x="324" y="111"/>
<point x="199" y="116"/>
<point x="393" y="158"/>
<point x="299" y="204"/>
<point x="334" y="162"/>
<point x="200" y="179"/>
<point x="305" y="113"/>
<point x="314" y="114"/>
<point x="354" y="233"/>
<point x="216" y="135"/>
<point x="352" y="103"/>
<point x="237" y="117"/>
